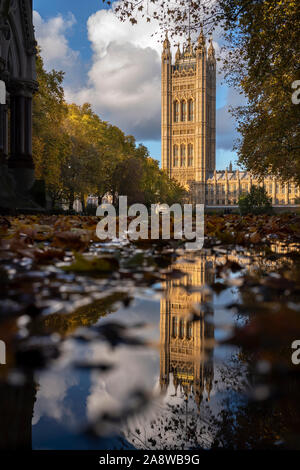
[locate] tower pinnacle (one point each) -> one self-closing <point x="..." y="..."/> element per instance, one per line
<point x="178" y="53"/>
<point x="166" y="54"/>
<point x="201" y="39"/>
<point x="211" y="49"/>
<point x="166" y="41"/>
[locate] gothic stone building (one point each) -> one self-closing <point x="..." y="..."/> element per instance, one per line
<point x="189" y="131"/>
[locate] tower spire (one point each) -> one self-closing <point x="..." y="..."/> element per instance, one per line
<point x="211" y="49"/>
<point x="178" y="53"/>
<point x="201" y="38"/>
<point x="166" y="47"/>
<point x="166" y="41"/>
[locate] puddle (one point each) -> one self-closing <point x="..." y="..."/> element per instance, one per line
<point x="145" y="363"/>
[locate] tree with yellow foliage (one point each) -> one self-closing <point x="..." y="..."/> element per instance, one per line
<point x="77" y="154"/>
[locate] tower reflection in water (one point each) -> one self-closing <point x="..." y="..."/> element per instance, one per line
<point x="186" y="354"/>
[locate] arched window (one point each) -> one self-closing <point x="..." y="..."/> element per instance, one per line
<point x="190" y="155"/>
<point x="174" y="327"/>
<point x="175" y="155"/>
<point x="191" y="110"/>
<point x="182" y="155"/>
<point x="183" y="110"/>
<point x="176" y="111"/>
<point x="181" y="329"/>
<point x="189" y="330"/>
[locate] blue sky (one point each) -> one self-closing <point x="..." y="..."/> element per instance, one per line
<point x="81" y="10"/>
<point x="116" y="67"/>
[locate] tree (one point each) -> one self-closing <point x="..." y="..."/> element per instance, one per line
<point x="84" y="169"/>
<point x="179" y="17"/>
<point x="157" y="187"/>
<point x="138" y="176"/>
<point x="255" y="202"/>
<point x="263" y="41"/>
<point x="50" y="143"/>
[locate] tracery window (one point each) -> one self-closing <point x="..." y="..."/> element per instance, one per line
<point x="190" y="155"/>
<point x="189" y="330"/>
<point x="175" y="155"/>
<point x="181" y="329"/>
<point x="174" y="327"/>
<point x="182" y="155"/>
<point x="176" y="111"/>
<point x="191" y="110"/>
<point x="183" y="111"/>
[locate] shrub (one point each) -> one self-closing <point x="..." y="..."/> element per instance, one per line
<point x="255" y="202"/>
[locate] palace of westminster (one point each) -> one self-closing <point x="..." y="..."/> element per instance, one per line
<point x="188" y="131"/>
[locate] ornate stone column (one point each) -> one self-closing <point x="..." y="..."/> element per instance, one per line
<point x="5" y="37"/>
<point x="8" y="197"/>
<point x="18" y="71"/>
<point x="21" y="162"/>
<point x="3" y="133"/>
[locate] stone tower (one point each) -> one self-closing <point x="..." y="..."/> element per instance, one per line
<point x="189" y="115"/>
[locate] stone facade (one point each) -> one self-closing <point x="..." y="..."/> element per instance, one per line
<point x="225" y="187"/>
<point x="188" y="131"/>
<point x="18" y="72"/>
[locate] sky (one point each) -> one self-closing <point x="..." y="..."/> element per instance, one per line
<point x="116" y="67"/>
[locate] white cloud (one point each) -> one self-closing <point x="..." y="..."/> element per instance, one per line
<point x="124" y="79"/>
<point x="51" y="37"/>
<point x="104" y="28"/>
<point x="53" y="389"/>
